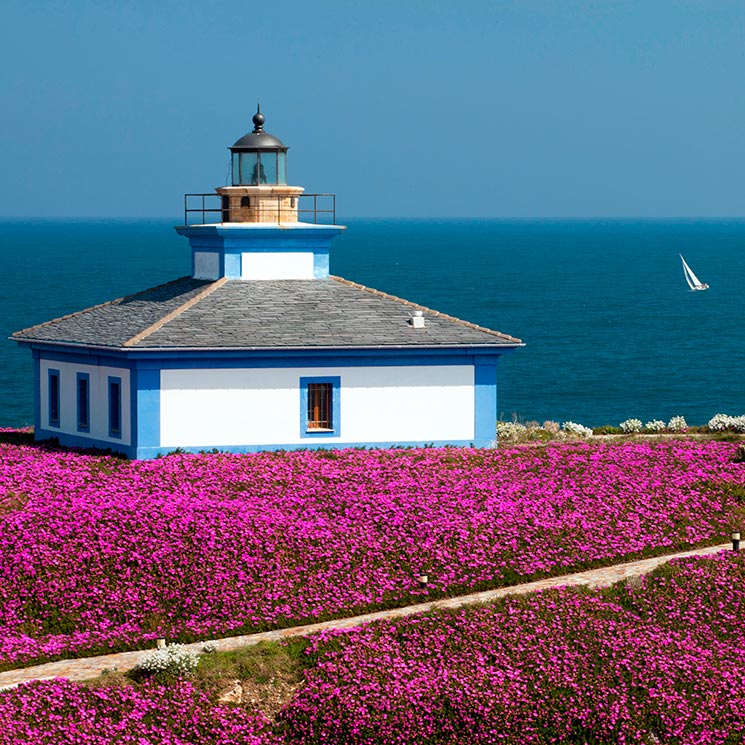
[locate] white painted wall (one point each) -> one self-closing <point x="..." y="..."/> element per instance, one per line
<point x="99" y="400"/>
<point x="277" y="265"/>
<point x="206" y="265"/>
<point x="256" y="407"/>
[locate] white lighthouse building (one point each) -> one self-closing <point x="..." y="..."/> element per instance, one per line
<point x="260" y="347"/>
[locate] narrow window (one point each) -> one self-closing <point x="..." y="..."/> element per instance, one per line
<point x="245" y="202"/>
<point x="54" y="398"/>
<point x="319" y="406"/>
<point x="115" y="407"/>
<point x="84" y="402"/>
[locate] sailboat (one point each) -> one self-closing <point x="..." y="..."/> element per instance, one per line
<point x="693" y="281"/>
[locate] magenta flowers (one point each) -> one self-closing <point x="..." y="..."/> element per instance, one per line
<point x="62" y="712"/>
<point x="98" y="554"/>
<point x="660" y="662"/>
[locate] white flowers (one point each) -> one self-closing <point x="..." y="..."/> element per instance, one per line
<point x="579" y="430"/>
<point x="510" y="430"/>
<point x="173" y="660"/>
<point x="533" y="432"/>
<point x="677" y="424"/>
<point x="726" y="423"/>
<point x="655" y="426"/>
<point x="631" y="426"/>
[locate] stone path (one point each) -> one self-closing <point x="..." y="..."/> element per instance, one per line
<point x="91" y="667"/>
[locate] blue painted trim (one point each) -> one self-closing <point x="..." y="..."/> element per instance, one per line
<point x="147" y="407"/>
<point x="125" y="358"/>
<point x="144" y="453"/>
<point x="241" y="233"/>
<point x="37" y="392"/>
<point x="115" y="406"/>
<point x="373" y="358"/>
<point x="147" y="452"/>
<point x="335" y="431"/>
<point x="83" y="403"/>
<point x="53" y="402"/>
<point x="85" y="356"/>
<point x="485" y="402"/>
<point x="321" y="264"/>
<point x="231" y="242"/>
<point x="232" y="265"/>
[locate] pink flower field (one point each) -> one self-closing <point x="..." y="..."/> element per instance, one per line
<point x="100" y="554"/>
<point x="58" y="712"/>
<point x="659" y="661"/>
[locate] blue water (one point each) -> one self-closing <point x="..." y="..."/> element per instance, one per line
<point x="611" y="329"/>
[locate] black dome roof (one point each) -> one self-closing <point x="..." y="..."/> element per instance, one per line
<point x="258" y="139"/>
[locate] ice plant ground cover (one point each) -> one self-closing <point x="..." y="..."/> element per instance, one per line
<point x="661" y="661"/>
<point x="58" y="712"/>
<point x="99" y="554"/>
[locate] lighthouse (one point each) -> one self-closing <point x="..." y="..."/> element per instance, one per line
<point x="260" y="346"/>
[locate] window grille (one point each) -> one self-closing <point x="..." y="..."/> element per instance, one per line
<point x="319" y="406"/>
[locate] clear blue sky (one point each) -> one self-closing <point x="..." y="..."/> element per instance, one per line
<point x="493" y="108"/>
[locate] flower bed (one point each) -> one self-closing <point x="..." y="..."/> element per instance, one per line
<point x="659" y="662"/>
<point x="99" y="554"/>
<point x="51" y="712"/>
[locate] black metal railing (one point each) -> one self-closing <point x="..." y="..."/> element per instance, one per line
<point x="203" y="209"/>
<point x="323" y="205"/>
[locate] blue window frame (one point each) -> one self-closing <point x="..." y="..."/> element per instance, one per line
<point x="115" y="407"/>
<point x="53" y="394"/>
<point x="84" y="402"/>
<point x="319" y="406"/>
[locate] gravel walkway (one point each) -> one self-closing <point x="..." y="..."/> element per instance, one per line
<point x="92" y="667"/>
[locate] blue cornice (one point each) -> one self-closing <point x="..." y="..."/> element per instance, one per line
<point x="260" y="231"/>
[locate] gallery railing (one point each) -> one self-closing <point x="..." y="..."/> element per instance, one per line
<point x="197" y="207"/>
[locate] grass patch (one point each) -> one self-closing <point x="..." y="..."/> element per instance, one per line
<point x="263" y="676"/>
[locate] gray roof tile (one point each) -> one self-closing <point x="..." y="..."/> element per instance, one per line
<point x="235" y="314"/>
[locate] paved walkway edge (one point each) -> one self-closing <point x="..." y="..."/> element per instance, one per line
<point x="92" y="667"/>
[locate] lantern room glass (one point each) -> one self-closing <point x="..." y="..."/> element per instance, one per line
<point x="258" y="168"/>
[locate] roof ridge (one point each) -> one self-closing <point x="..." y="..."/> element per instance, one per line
<point x="208" y="290"/>
<point x="95" y="307"/>
<point x="437" y="313"/>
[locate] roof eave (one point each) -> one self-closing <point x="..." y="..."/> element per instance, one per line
<point x="319" y="348"/>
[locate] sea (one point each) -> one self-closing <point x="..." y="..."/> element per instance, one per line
<point x="610" y="328"/>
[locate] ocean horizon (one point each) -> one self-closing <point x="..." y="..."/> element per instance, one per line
<point x="611" y="329"/>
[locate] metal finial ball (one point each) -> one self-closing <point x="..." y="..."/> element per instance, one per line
<point x="258" y="121"/>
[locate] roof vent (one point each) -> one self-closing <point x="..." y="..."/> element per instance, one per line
<point x="417" y="319"/>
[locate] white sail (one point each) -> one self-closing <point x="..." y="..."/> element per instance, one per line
<point x="693" y="281"/>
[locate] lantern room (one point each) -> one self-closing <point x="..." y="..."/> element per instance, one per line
<point x="259" y="159"/>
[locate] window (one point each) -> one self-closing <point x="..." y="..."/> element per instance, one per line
<point x="319" y="406"/>
<point x="84" y="402"/>
<point x="54" y="398"/>
<point x="319" y="402"/>
<point x="115" y="407"/>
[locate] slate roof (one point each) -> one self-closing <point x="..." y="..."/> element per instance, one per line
<point x="258" y="315"/>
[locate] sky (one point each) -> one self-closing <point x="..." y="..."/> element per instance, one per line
<point x="403" y="108"/>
